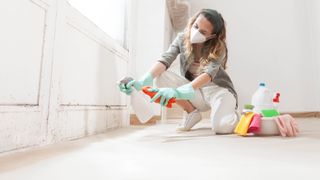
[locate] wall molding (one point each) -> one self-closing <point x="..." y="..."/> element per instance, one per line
<point x="135" y="121"/>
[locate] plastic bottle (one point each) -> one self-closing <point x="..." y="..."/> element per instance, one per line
<point x="247" y="108"/>
<point x="151" y="94"/>
<point x="262" y="99"/>
<point x="140" y="103"/>
<point x="141" y="106"/>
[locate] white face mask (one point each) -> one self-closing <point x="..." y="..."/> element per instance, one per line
<point x="196" y="36"/>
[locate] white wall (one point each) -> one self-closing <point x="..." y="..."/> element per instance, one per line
<point x="58" y="73"/>
<point x="109" y="15"/>
<point x="150" y="35"/>
<point x="149" y="28"/>
<point x="314" y="16"/>
<point x="271" y="41"/>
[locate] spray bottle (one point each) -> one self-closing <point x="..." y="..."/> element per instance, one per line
<point x="140" y="102"/>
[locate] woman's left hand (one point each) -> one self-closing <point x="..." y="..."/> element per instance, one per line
<point x="183" y="92"/>
<point x="165" y="95"/>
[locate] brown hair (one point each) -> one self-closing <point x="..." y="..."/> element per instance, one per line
<point x="216" y="47"/>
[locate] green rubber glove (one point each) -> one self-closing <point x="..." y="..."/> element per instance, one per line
<point x="145" y="80"/>
<point x="183" y="92"/>
<point x="124" y="89"/>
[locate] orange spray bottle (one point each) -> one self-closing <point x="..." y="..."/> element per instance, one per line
<point x="151" y="94"/>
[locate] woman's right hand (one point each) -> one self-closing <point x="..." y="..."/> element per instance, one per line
<point x="145" y="80"/>
<point x="126" y="87"/>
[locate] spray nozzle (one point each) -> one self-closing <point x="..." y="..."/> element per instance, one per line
<point x="277" y="98"/>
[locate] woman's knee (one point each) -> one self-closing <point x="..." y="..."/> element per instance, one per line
<point x="223" y="116"/>
<point x="225" y="125"/>
<point x="169" y="79"/>
<point x="161" y="81"/>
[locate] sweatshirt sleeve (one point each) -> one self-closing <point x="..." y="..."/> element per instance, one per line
<point x="174" y="49"/>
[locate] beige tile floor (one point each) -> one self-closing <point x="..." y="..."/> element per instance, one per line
<point x="159" y="152"/>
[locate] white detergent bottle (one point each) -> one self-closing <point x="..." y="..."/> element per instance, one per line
<point x="262" y="99"/>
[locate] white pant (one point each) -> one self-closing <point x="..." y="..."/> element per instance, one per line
<point x="221" y="102"/>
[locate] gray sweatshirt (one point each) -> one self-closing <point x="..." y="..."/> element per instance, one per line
<point x="214" y="68"/>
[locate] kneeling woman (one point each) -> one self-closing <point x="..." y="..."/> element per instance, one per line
<point x="203" y="83"/>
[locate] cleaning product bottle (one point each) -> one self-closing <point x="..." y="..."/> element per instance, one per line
<point x="262" y="99"/>
<point x="151" y="94"/>
<point x="247" y="108"/>
<point x="140" y="103"/>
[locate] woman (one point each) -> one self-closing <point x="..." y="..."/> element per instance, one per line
<point x="203" y="83"/>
